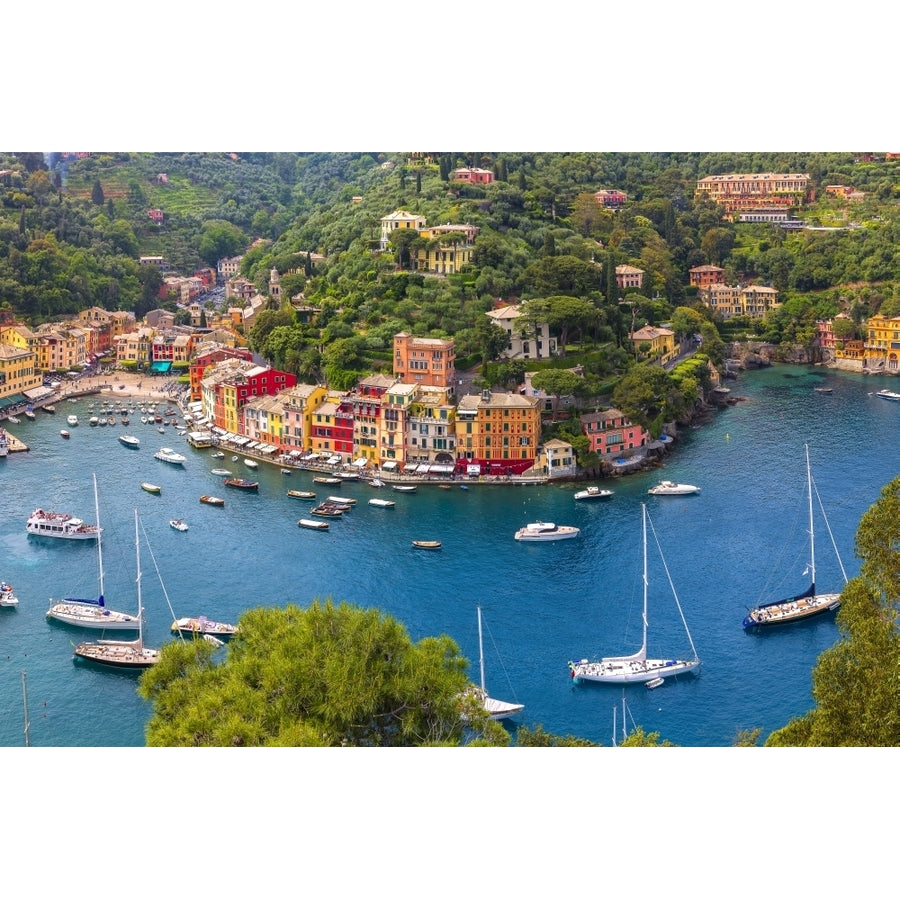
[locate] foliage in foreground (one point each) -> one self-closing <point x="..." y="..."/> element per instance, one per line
<point x="329" y="675"/>
<point x="856" y="683"/>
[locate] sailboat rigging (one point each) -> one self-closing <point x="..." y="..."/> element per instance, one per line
<point x="638" y="667"/>
<point x="87" y="612"/>
<point x="123" y="654"/>
<point x="809" y="603"/>
<point x="496" y="709"/>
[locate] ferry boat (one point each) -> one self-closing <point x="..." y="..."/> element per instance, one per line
<point x="60" y="525"/>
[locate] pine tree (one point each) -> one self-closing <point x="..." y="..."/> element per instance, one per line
<point x="97" y="197"/>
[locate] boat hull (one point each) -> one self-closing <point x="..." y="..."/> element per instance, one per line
<point x="119" y="657"/>
<point x="791" y="611"/>
<point x="84" y="616"/>
<point x="631" y="671"/>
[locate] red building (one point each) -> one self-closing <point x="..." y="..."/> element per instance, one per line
<point x="611" y="433"/>
<point x="703" y="276"/>
<point x="473" y="176"/>
<point x="210" y="357"/>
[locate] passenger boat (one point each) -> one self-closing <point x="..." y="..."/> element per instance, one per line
<point x="64" y="433"/>
<point x="546" y="531"/>
<point x="888" y="395"/>
<point x="212" y="501"/>
<point x="672" y="488"/>
<point x="151" y="488"/>
<point x="302" y="495"/>
<point x="167" y="454"/>
<point x="344" y="501"/>
<point x="178" y="524"/>
<point x="200" y="625"/>
<point x="60" y="525"/>
<point x="427" y="545"/>
<point x="377" y="501"/>
<point x="7" y="597"/>
<point x="242" y="483"/>
<point x="404" y="488"/>
<point x="326" y="479"/>
<point x="312" y="524"/>
<point x="222" y="473"/>
<point x="593" y="493"/>
<point x="129" y="440"/>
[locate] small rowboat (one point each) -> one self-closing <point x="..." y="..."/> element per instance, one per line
<point x="178" y="524"/>
<point x="377" y="501"/>
<point x="302" y="495"/>
<point x="64" y="434"/>
<point x="221" y="472"/>
<point x="427" y="545"/>
<point x="242" y="483"/>
<point x="343" y="501"/>
<point x="403" y="488"/>
<point x="311" y="523"/>
<point x="151" y="488"/>
<point x="655" y="683"/>
<point x="212" y="501"/>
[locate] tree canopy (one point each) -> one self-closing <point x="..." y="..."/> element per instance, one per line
<point x="328" y="675"/>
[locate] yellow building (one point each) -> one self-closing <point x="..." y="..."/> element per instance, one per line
<point x="136" y="347"/>
<point x="730" y="300"/>
<point x="882" y="344"/>
<point x="431" y="429"/>
<point x="396" y="403"/>
<point x="660" y="344"/>
<point x="497" y="433"/>
<point x="448" y="249"/>
<point x="18" y="373"/>
<point x="263" y="421"/>
<point x="366" y="401"/>
<point x="299" y="402"/>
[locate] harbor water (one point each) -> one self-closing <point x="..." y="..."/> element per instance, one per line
<point x="741" y="541"/>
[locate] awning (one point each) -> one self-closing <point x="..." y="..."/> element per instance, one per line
<point x="38" y="393"/>
<point x="160" y="366"/>
<point x="219" y="431"/>
<point x="415" y="468"/>
<point x="241" y="441"/>
<point x="333" y="460"/>
<point x="12" y="400"/>
<point x="252" y="445"/>
<point x="360" y="463"/>
<point x="296" y="453"/>
<point x="268" y="448"/>
<point x="443" y="470"/>
<point x="390" y="464"/>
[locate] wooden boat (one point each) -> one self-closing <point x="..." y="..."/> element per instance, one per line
<point x="151" y="488"/>
<point x="327" y="511"/>
<point x="64" y="433"/>
<point x="427" y="545"/>
<point x="200" y="625"/>
<point x="326" y="479"/>
<point x="302" y="495"/>
<point x="212" y="501"/>
<point x="242" y="483"/>
<point x="311" y="523"/>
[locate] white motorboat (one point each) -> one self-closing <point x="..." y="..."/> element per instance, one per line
<point x="593" y="493"/>
<point x="167" y="454"/>
<point x="178" y="524"/>
<point x="129" y="440"/>
<point x="313" y="524"/>
<point x="888" y="395"/>
<point x="378" y="501"/>
<point x="72" y="420"/>
<point x="637" y="667"/>
<point x="546" y="531"/>
<point x="251" y="463"/>
<point x="7" y="597"/>
<point x="672" y="489"/>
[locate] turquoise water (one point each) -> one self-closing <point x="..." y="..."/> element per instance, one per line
<point x="739" y="542"/>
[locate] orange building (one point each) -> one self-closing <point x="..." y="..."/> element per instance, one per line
<point x="425" y="361"/>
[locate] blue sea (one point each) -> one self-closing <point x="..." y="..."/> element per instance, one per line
<point x="741" y="541"/>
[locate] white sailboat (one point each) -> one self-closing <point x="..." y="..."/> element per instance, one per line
<point x="638" y="667"/>
<point x="123" y="654"/>
<point x="496" y="709"/>
<point x="87" y="612"/>
<point x="808" y="604"/>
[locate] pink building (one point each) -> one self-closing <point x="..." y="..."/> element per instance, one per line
<point x="611" y="199"/>
<point x="473" y="176"/>
<point x="611" y="434"/>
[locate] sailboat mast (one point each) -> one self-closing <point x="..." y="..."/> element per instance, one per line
<point x="812" y="537"/>
<point x="99" y="539"/>
<point x="644" y="535"/>
<point x="25" y="704"/>
<point x="481" y="651"/>
<point x="137" y="553"/>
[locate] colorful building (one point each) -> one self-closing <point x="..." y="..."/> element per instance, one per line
<point x="472" y="175"/>
<point x="882" y="344"/>
<point x="331" y="434"/>
<point x="299" y="403"/>
<point x="534" y="342"/>
<point x="660" y="344"/>
<point x="497" y="433"/>
<point x="703" y="276"/>
<point x="629" y="277"/>
<point x="431" y="432"/>
<point x="741" y="192"/>
<point x="611" y="433"/>
<point x="425" y="361"/>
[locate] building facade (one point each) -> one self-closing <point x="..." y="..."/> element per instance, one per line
<point x="425" y="361"/>
<point x="611" y="433"/>
<point x="743" y="192"/>
<point x="535" y="344"/>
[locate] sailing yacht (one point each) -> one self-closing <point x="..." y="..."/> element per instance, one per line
<point x="637" y="667"/>
<point x="123" y="654"/>
<point x="496" y="709"/>
<point x="89" y="612"/>
<point x="808" y="604"/>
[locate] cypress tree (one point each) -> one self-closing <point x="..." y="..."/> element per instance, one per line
<point x="97" y="197"/>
